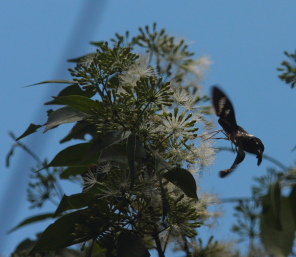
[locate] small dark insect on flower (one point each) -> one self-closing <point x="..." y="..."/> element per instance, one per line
<point x="243" y="140"/>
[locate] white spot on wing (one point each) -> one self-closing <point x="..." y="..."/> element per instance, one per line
<point x="221" y="104"/>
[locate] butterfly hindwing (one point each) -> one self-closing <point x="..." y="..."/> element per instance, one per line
<point x="239" y="158"/>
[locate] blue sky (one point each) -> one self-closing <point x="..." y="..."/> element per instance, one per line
<point x="245" y="40"/>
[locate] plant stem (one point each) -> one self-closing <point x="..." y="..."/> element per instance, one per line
<point x="158" y="245"/>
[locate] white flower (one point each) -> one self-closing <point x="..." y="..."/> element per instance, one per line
<point x="149" y="127"/>
<point x="183" y="97"/>
<point x="104" y="168"/>
<point x="137" y="71"/>
<point x="178" y="124"/>
<point x="179" y="154"/>
<point x="198" y="67"/>
<point x="204" y="154"/>
<point x="90" y="179"/>
<point x="108" y="192"/>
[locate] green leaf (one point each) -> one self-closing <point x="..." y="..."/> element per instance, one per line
<point x="131" y="245"/>
<point x="131" y="156"/>
<point x="104" y="141"/>
<point x="183" y="179"/>
<point x="72" y="171"/>
<point x="33" y="219"/>
<point x="277" y="242"/>
<point x="59" y="81"/>
<point x="272" y="205"/>
<point x="79" y="130"/>
<point x="24" y="246"/>
<point x="30" y="130"/>
<point x="64" y="115"/>
<point x="76" y="201"/>
<point x="79" y="103"/>
<point x="73" y="90"/>
<point x="74" y="156"/>
<point x="292" y="199"/>
<point x="62" y="232"/>
<point x="275" y="192"/>
<point x="116" y="153"/>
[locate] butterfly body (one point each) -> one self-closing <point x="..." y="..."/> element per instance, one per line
<point x="243" y="140"/>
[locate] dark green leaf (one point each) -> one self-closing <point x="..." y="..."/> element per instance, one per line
<point x="98" y="44"/>
<point x="104" y="141"/>
<point x="131" y="245"/>
<point x="164" y="200"/>
<point x="79" y="131"/>
<point x="275" y="192"/>
<point x="79" y="103"/>
<point x="33" y="219"/>
<point x="183" y="179"/>
<point x="76" y="201"/>
<point x="72" y="171"/>
<point x="73" y="90"/>
<point x="25" y="245"/>
<point x="30" y="130"/>
<point x="115" y="153"/>
<point x="64" y="115"/>
<point x="292" y="199"/>
<point x="62" y="232"/>
<point x="59" y="81"/>
<point x="74" y="156"/>
<point x="131" y="156"/>
<point x="277" y="242"/>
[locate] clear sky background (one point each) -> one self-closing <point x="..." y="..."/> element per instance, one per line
<point x="245" y="40"/>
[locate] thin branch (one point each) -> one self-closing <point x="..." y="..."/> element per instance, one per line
<point x="34" y="156"/>
<point x="158" y="245"/>
<point x="235" y="199"/>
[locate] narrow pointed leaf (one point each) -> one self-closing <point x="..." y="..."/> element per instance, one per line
<point x="64" y="115"/>
<point x="59" y="81"/>
<point x="131" y="245"/>
<point x="30" y="130"/>
<point x="31" y="220"/>
<point x="79" y="103"/>
<point x="183" y="179"/>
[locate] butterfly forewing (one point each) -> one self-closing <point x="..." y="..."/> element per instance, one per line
<point x="224" y="110"/>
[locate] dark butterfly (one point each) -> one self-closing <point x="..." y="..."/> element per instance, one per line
<point x="243" y="140"/>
